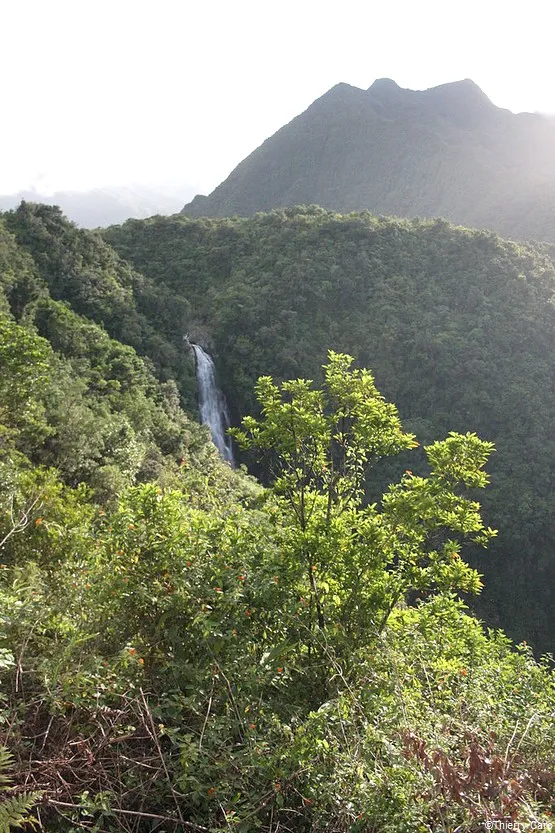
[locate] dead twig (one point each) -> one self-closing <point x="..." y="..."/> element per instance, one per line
<point x="136" y="813"/>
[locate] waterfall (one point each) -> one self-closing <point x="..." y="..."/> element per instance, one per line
<point x="212" y="404"/>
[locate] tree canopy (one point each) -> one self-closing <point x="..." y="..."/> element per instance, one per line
<point x="204" y="654"/>
<point x="457" y="326"/>
<point x="183" y="648"/>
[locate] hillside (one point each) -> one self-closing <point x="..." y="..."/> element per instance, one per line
<point x="457" y="325"/>
<point x="79" y="268"/>
<point x="182" y="648"/>
<point x="446" y="151"/>
<point x="74" y="401"/>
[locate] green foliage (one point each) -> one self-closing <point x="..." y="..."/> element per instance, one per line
<point x="324" y="439"/>
<point x="72" y="397"/>
<point x="181" y="649"/>
<point x="168" y="652"/>
<point x="14" y="810"/>
<point x="360" y="560"/>
<point x="457" y="325"/>
<point x="23" y="369"/>
<point x="79" y="268"/>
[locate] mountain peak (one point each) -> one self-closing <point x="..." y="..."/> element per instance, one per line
<point x="445" y="151"/>
<point x="382" y="85"/>
<point x="386" y="95"/>
<point x="466" y="92"/>
<point x="459" y="91"/>
<point x="342" y="91"/>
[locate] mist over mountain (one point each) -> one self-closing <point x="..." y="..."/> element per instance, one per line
<point x="105" y="206"/>
<point x="446" y="151"/>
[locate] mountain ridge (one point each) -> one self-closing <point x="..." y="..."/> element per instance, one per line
<point x="445" y="151"/>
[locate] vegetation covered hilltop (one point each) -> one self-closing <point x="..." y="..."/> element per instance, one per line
<point x="457" y="325"/>
<point x="184" y="649"/>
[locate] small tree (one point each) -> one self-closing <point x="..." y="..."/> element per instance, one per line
<point x="358" y="560"/>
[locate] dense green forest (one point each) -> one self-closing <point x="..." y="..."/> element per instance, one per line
<point x="457" y="325"/>
<point x="183" y="648"/>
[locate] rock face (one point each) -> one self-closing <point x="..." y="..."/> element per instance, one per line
<point x="447" y="151"/>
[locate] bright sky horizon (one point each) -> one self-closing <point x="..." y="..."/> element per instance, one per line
<point x="114" y="92"/>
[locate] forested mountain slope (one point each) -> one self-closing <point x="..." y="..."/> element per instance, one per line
<point x="457" y="325"/>
<point x="182" y="647"/>
<point x="74" y="400"/>
<point x="78" y="267"/>
<point x="447" y="151"/>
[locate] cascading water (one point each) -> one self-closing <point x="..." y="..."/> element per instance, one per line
<point x="212" y="404"/>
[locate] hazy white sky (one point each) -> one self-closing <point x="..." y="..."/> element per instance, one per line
<point x="118" y="91"/>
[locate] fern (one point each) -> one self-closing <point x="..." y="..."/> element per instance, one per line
<point x="14" y="811"/>
<point x="5" y="763"/>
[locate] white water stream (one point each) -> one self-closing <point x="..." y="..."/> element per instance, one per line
<point x="212" y="404"/>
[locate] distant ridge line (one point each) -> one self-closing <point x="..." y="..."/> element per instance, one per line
<point x="444" y="151"/>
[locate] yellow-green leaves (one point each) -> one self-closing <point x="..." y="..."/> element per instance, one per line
<point x="460" y="458"/>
